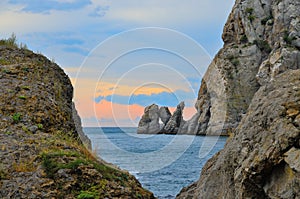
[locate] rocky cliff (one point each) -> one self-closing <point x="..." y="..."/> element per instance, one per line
<point x="261" y="40"/>
<point x="41" y="153"/>
<point x="252" y="92"/>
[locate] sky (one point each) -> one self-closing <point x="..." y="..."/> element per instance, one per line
<point x="122" y="55"/>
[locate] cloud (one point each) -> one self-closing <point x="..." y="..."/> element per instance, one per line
<point x="36" y="6"/>
<point x="78" y="50"/>
<point x="111" y="114"/>
<point x="161" y="99"/>
<point x="99" y="11"/>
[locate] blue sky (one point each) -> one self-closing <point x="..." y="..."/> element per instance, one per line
<point x="83" y="33"/>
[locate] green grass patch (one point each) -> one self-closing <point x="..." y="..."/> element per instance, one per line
<point x="23" y="97"/>
<point x="16" y="117"/>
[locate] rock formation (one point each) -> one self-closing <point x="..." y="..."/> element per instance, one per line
<point x="262" y="159"/>
<point x="251" y="92"/>
<point x="164" y="114"/>
<point x="149" y="123"/>
<point x="261" y="40"/>
<point x="41" y="153"/>
<point x="175" y="120"/>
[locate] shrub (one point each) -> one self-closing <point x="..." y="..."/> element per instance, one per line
<point x="287" y="38"/>
<point x="266" y="19"/>
<point x="244" y="39"/>
<point x="251" y="17"/>
<point x="249" y="10"/>
<point x="263" y="45"/>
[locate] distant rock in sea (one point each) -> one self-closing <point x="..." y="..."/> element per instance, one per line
<point x="150" y="121"/>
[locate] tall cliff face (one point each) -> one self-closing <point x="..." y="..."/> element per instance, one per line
<point x="262" y="159"/>
<point x="261" y="40"/>
<point x="252" y="89"/>
<point x="41" y="150"/>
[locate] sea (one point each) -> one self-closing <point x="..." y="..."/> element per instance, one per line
<point x="163" y="164"/>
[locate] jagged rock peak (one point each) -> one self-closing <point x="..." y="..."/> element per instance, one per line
<point x="150" y="121"/>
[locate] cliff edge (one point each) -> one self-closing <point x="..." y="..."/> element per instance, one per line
<point x="251" y="91"/>
<point x="41" y="141"/>
<point x="261" y="41"/>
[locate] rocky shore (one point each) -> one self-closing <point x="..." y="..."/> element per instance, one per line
<point x="251" y="91"/>
<point x="43" y="151"/>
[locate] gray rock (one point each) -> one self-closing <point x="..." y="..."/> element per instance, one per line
<point x="261" y="41"/>
<point x="175" y="121"/>
<point x="149" y="123"/>
<point x="33" y="129"/>
<point x="164" y="114"/>
<point x="292" y="158"/>
<point x="261" y="159"/>
<point x="77" y="122"/>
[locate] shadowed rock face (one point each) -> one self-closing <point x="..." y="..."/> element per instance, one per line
<point x="262" y="159"/>
<point x="149" y="123"/>
<point x="261" y="40"/>
<point x="41" y="150"/>
<point x="252" y="89"/>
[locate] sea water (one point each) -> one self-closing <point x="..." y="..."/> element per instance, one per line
<point x="164" y="164"/>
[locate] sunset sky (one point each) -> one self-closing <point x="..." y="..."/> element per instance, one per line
<point x="122" y="55"/>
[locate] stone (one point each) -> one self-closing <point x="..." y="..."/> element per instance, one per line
<point x="164" y="114"/>
<point x="149" y="123"/>
<point x="77" y="121"/>
<point x="33" y="129"/>
<point x="260" y="42"/>
<point x="260" y="160"/>
<point x="175" y="121"/>
<point x="292" y="158"/>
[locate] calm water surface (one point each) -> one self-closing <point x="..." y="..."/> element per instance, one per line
<point x="164" y="164"/>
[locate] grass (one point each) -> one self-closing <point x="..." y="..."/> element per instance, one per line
<point x="23" y="97"/>
<point x="24" y="166"/>
<point x="4" y="62"/>
<point x="40" y="126"/>
<point x="12" y="42"/>
<point x="88" y="194"/>
<point x="16" y="117"/>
